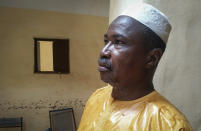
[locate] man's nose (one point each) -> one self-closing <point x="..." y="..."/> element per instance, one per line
<point x="106" y="52"/>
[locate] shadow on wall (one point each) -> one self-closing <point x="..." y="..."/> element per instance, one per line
<point x="192" y="68"/>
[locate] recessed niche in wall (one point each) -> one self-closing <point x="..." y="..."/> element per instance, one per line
<point x="51" y="55"/>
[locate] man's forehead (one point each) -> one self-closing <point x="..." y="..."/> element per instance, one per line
<point x="123" y="22"/>
<point x="124" y="26"/>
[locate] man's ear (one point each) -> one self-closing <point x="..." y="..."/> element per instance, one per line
<point x="153" y="58"/>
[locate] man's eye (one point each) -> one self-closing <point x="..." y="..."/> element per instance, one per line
<point x="119" y="42"/>
<point x="105" y="41"/>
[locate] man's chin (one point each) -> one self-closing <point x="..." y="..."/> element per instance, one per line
<point x="105" y="78"/>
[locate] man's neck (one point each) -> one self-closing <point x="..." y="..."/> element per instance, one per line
<point x="131" y="92"/>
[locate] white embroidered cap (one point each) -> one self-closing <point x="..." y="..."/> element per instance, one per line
<point x="150" y="17"/>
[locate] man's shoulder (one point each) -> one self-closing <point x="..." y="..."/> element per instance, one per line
<point x="164" y="105"/>
<point x="168" y="113"/>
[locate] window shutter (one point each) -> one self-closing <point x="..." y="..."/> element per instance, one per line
<point x="61" y="56"/>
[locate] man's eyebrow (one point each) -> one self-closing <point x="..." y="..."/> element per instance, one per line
<point x="115" y="36"/>
<point x="118" y="35"/>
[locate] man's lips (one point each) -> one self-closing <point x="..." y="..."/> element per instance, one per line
<point x="104" y="65"/>
<point x="103" y="69"/>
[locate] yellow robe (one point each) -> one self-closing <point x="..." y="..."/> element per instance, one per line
<point x="149" y="113"/>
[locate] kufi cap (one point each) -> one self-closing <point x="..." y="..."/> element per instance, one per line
<point x="150" y="17"/>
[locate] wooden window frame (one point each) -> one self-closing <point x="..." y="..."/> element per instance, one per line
<point x="36" y="70"/>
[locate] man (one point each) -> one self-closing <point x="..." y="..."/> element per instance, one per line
<point x="134" y="44"/>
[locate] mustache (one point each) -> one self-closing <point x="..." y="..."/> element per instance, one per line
<point x="105" y="62"/>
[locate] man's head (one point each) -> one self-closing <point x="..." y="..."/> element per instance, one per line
<point x="131" y="53"/>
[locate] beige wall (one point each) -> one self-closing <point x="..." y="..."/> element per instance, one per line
<point x="178" y="76"/>
<point x="86" y="7"/>
<point x="23" y="93"/>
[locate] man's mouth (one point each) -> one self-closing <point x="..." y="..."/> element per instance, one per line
<point x="104" y="65"/>
<point x="102" y="69"/>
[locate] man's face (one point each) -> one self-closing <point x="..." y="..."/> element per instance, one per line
<point x="122" y="59"/>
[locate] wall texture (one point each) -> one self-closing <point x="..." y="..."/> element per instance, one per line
<point x="87" y="7"/>
<point x="23" y="93"/>
<point x="178" y="76"/>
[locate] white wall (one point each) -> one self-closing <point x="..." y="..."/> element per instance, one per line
<point x="178" y="76"/>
